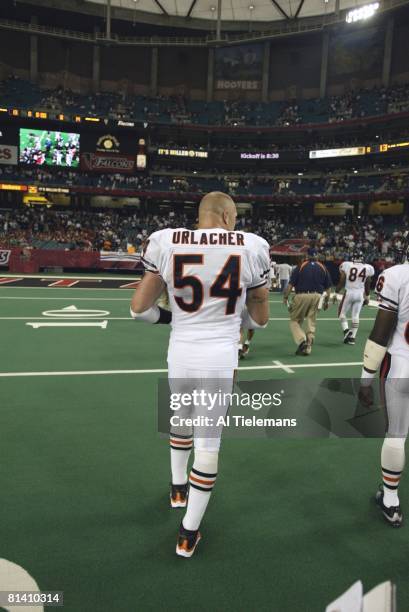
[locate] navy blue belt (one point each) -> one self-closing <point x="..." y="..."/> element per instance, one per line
<point x="299" y="292"/>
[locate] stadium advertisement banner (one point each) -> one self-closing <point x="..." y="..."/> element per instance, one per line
<point x="119" y="260"/>
<point x="109" y="142"/>
<point x="49" y="148"/>
<point x="108" y="163"/>
<point x="262" y="157"/>
<point x="8" y="154"/>
<point x="292" y="246"/>
<point x="4" y="257"/>
<point x="191" y="153"/>
<point x="238" y="67"/>
<point x="344" y="152"/>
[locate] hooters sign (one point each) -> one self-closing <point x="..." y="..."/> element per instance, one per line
<point x="107" y="163"/>
<point x="8" y="154"/>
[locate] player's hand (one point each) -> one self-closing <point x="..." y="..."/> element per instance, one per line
<point x="365" y="396"/>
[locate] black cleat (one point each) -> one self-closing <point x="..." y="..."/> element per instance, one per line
<point x="393" y="515"/>
<point x="187" y="541"/>
<point x="347" y="335"/>
<point x="350" y="340"/>
<point x="178" y="495"/>
<point x="302" y="348"/>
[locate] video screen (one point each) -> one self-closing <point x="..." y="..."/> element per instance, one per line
<point x="47" y="148"/>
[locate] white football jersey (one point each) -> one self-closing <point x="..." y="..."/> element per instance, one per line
<point x="356" y="274"/>
<point x="207" y="273"/>
<point x="392" y="288"/>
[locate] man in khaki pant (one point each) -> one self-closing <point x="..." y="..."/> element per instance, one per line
<point x="310" y="281"/>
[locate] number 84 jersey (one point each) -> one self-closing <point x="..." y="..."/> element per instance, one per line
<point x="207" y="273"/>
<point x="356" y="274"/>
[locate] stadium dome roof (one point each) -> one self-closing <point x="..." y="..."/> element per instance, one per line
<point x="236" y="10"/>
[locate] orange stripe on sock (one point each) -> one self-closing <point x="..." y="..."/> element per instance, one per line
<point x="205" y="482"/>
<point x="390" y="479"/>
<point x="181" y="442"/>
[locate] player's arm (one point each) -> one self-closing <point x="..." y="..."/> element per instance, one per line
<point x="256" y="313"/>
<point x="143" y="307"/>
<point x="375" y="350"/>
<point x="367" y="290"/>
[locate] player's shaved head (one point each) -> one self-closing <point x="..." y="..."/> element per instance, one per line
<point x="217" y="209"/>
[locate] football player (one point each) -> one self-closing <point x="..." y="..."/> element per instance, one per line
<point x="388" y="349"/>
<point x="355" y="276"/>
<point x="217" y="282"/>
<point x="273" y="275"/>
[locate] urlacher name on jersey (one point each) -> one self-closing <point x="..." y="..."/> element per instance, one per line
<point x="216" y="239"/>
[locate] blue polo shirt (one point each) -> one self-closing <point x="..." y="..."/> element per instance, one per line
<point x="310" y="276"/>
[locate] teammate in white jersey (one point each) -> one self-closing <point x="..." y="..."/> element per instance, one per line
<point x="388" y="349"/>
<point x="217" y="280"/>
<point x="355" y="276"/>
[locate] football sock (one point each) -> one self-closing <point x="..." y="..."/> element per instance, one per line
<point x="201" y="480"/>
<point x="393" y="462"/>
<point x="344" y="325"/>
<point x="355" y="325"/>
<point x="180" y="447"/>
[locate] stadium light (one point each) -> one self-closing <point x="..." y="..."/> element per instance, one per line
<point x="362" y="13"/>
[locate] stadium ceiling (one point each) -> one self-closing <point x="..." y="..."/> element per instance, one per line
<point x="236" y="10"/>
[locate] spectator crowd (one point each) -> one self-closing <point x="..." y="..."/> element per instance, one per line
<point x="127" y="231"/>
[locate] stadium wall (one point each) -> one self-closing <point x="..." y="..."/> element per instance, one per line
<point x="355" y="61"/>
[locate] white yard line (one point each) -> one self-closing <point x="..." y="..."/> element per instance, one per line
<point x="39" y="318"/>
<point x="163" y="371"/>
<point x="284" y="367"/>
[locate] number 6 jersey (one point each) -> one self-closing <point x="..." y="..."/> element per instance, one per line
<point x="392" y="289"/>
<point x="207" y="273"/>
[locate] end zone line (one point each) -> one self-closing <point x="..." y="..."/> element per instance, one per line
<point x="164" y="370"/>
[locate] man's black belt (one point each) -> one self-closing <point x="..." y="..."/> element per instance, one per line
<point x="299" y="292"/>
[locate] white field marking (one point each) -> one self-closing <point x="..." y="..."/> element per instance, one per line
<point x="39" y="318"/>
<point x="100" y="324"/>
<point x="321" y="319"/>
<point x="72" y="312"/>
<point x="164" y="370"/>
<point x="13" y="577"/>
<point x="284" y="367"/>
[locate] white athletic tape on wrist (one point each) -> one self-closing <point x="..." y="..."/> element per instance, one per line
<point x="149" y="316"/>
<point x="373" y="355"/>
<point x="248" y="323"/>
